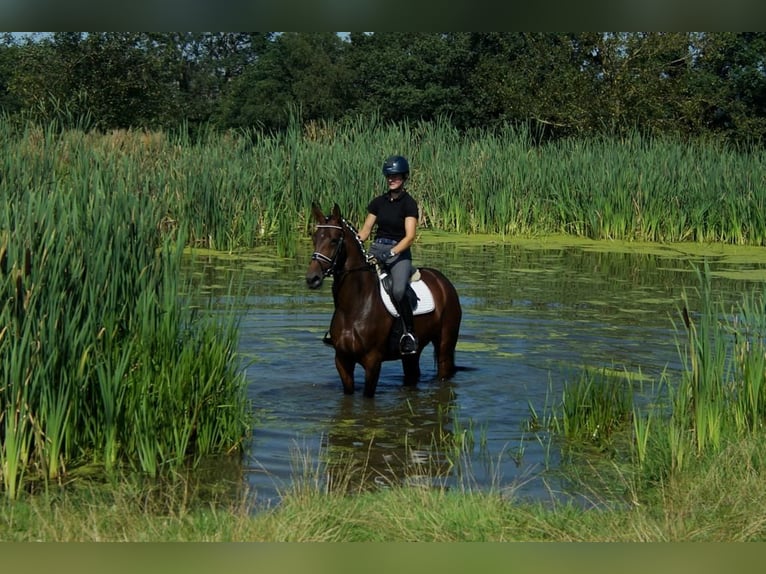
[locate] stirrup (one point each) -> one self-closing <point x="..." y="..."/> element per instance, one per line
<point x="408" y="344"/>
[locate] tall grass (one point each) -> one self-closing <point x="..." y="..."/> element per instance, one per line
<point x="595" y="406"/>
<point x="719" y="400"/>
<point x="721" y="397"/>
<point x="238" y="189"/>
<point x="101" y="360"/>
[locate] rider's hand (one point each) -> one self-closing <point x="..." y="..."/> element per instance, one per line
<point x="384" y="256"/>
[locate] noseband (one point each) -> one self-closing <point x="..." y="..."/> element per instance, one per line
<point x="330" y="261"/>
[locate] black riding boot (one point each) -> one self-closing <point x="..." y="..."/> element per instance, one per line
<point x="408" y="344"/>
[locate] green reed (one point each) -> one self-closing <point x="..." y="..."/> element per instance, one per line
<point x="659" y="190"/>
<point x="701" y="398"/>
<point x="240" y="189"/>
<point x="642" y="428"/>
<point x="101" y="360"/>
<point x="594" y="407"/>
<point x="720" y="397"/>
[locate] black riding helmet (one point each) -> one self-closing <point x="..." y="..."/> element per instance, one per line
<point x="396" y="164"/>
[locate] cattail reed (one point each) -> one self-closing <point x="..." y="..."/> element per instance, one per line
<point x="101" y="360"/>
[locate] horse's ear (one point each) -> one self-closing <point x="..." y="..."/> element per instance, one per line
<point x="317" y="212"/>
<point x="336" y="211"/>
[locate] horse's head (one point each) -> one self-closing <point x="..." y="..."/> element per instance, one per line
<point x="328" y="239"/>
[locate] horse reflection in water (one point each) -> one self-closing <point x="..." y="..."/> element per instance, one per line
<point x="363" y="331"/>
<point x="407" y="442"/>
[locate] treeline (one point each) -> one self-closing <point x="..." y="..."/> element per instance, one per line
<point x="558" y="84"/>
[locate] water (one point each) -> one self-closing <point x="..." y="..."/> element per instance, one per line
<point x="533" y="317"/>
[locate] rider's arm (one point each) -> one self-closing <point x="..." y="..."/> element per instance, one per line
<point x="410" y="228"/>
<point x="369" y="222"/>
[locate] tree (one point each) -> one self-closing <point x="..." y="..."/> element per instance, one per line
<point x="409" y="75"/>
<point x="642" y="81"/>
<point x="730" y="81"/>
<point x="562" y="84"/>
<point x="125" y="82"/>
<point x="205" y="64"/>
<point x="543" y="80"/>
<point x="9" y="56"/>
<point x="114" y="78"/>
<point x="296" y="70"/>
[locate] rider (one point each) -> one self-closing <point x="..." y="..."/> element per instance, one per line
<point x="396" y="215"/>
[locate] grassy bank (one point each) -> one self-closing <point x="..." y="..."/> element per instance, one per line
<point x="723" y="499"/>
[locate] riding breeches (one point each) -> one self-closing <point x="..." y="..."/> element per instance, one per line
<point x="400" y="270"/>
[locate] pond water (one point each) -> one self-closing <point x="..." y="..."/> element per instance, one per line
<point x="534" y="315"/>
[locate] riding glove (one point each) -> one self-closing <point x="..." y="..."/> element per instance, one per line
<point x="383" y="253"/>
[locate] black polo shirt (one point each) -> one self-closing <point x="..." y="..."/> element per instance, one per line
<point x="390" y="214"/>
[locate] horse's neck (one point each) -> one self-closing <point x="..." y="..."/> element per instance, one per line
<point x="356" y="279"/>
<point x="354" y="256"/>
<point x="354" y="252"/>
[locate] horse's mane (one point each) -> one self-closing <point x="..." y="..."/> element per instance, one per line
<point x="355" y="234"/>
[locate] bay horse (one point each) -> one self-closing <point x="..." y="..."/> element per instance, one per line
<point x="363" y="330"/>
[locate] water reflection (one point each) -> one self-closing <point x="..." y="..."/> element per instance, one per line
<point x="532" y="319"/>
<point x="384" y="443"/>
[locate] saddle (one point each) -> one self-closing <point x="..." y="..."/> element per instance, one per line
<point x="421" y="298"/>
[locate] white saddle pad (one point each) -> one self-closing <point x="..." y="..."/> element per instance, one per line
<point x="425" y="298"/>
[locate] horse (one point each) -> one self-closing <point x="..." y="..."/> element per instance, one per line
<point x="365" y="328"/>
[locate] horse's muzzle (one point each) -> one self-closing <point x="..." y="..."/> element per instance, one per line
<point x="314" y="280"/>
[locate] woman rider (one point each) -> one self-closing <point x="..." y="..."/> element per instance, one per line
<point x="396" y="215"/>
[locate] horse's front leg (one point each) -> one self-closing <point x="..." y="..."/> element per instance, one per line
<point x="345" y="366"/>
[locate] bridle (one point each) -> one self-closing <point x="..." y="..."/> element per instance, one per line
<point x="332" y="262"/>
